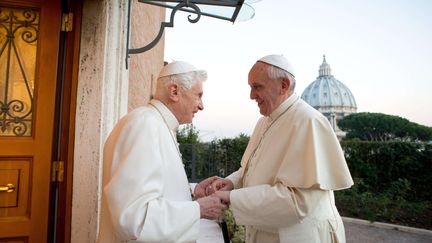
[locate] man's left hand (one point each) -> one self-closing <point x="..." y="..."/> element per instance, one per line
<point x="201" y="188"/>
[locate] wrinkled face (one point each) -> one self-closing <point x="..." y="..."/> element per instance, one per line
<point x="190" y="103"/>
<point x="266" y="92"/>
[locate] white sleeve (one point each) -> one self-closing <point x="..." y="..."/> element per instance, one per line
<point x="235" y="178"/>
<point x="134" y="194"/>
<point x="274" y="206"/>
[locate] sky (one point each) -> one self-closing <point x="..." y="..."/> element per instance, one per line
<point x="380" y="49"/>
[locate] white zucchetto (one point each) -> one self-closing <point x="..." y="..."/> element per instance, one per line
<point x="278" y="61"/>
<point x="178" y="67"/>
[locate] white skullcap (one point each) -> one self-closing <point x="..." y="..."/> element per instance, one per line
<point x="178" y="67"/>
<point x="278" y="61"/>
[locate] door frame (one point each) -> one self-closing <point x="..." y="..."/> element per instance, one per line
<point x="59" y="226"/>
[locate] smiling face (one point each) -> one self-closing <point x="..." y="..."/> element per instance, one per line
<point x="268" y="93"/>
<point x="189" y="102"/>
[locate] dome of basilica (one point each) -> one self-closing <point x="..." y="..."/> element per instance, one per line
<point x="330" y="96"/>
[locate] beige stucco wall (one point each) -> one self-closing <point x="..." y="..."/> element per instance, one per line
<point x="144" y="67"/>
<point x="104" y="93"/>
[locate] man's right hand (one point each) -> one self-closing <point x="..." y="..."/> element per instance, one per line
<point x="211" y="207"/>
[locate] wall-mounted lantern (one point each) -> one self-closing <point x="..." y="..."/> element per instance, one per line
<point x="230" y="10"/>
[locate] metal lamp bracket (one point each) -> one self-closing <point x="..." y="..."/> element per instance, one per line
<point x="184" y="4"/>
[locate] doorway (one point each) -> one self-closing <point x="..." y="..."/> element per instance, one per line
<point x="34" y="123"/>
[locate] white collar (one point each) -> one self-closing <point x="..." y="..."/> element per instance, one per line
<point x="283" y="106"/>
<point x="167" y="115"/>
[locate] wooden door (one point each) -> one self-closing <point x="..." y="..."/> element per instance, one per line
<point x="29" y="39"/>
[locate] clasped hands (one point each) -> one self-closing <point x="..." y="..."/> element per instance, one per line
<point x="213" y="196"/>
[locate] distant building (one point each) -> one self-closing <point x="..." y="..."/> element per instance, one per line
<point x="330" y="97"/>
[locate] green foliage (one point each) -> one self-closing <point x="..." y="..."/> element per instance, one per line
<point x="379" y="164"/>
<point x="236" y="232"/>
<point x="188" y="134"/>
<point x="392" y="182"/>
<point x="219" y="157"/>
<point x="228" y="153"/>
<point x="383" y="127"/>
<point x="188" y="138"/>
<point x="388" y="206"/>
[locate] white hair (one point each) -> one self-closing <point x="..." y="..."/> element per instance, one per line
<point x="276" y="73"/>
<point x="185" y="80"/>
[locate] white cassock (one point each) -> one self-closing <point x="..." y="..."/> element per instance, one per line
<point x="284" y="188"/>
<point x="146" y="194"/>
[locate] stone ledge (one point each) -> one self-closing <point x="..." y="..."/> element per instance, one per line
<point x="388" y="226"/>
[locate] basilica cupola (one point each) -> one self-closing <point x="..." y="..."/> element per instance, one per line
<point x="330" y="96"/>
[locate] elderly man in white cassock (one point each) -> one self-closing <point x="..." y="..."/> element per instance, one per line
<point x="283" y="191"/>
<point x="146" y="194"/>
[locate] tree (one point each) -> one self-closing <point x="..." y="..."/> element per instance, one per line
<point x="188" y="134"/>
<point x="383" y="127"/>
<point x="230" y="152"/>
<point x="218" y="157"/>
<point x="191" y="150"/>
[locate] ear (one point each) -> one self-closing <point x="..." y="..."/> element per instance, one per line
<point x="173" y="92"/>
<point x="286" y="85"/>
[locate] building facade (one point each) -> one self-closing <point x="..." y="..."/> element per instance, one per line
<point x="63" y="86"/>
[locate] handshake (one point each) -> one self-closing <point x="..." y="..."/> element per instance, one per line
<point x="213" y="196"/>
